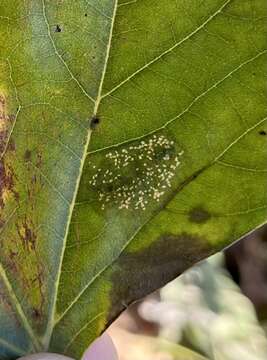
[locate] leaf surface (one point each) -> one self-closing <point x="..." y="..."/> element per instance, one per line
<point x="133" y="144"/>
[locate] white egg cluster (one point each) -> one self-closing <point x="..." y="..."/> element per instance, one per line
<point x="131" y="177"/>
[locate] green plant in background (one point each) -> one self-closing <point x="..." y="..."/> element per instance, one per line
<point x="133" y="144"/>
<point x="206" y="310"/>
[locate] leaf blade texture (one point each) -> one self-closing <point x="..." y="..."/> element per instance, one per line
<point x="132" y="146"/>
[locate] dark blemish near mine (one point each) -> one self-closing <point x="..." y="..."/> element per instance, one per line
<point x="94" y="122"/>
<point x="262" y="132"/>
<point x="85" y="15"/>
<point x="58" y="29"/>
<point x="199" y="215"/>
<point x="27" y="155"/>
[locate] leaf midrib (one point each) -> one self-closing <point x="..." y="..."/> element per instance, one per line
<point x="51" y="321"/>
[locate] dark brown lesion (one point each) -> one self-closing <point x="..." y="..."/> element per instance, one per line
<point x="139" y="273"/>
<point x="199" y="215"/>
<point x="27" y="155"/>
<point x="7" y="183"/>
<point x="6" y="121"/>
<point x="27" y="235"/>
<point x="7" y="145"/>
<point x="94" y="122"/>
<point x="22" y="240"/>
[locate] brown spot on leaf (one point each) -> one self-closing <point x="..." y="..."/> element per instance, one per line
<point x="199" y="215"/>
<point x="6" y="144"/>
<point x="39" y="160"/>
<point x="94" y="122"/>
<point x="36" y="313"/>
<point x="138" y="274"/>
<point x="27" y="235"/>
<point x="8" y="307"/>
<point x="27" y="155"/>
<point x="5" y="121"/>
<point x="11" y="145"/>
<point x="13" y="254"/>
<point x="34" y="179"/>
<point x="39" y="280"/>
<point x="6" y="183"/>
<point x="262" y="132"/>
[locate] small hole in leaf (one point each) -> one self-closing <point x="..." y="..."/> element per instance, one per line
<point x="85" y="15"/>
<point x="58" y="29"/>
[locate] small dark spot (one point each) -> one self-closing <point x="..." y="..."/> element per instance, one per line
<point x="36" y="313"/>
<point x="27" y="235"/>
<point x="34" y="179"/>
<point x="58" y="29"/>
<point x="110" y="187"/>
<point x="39" y="160"/>
<point x="13" y="254"/>
<point x="27" y="155"/>
<point x="7" y="182"/>
<point x="2" y="100"/>
<point x="199" y="215"/>
<point x="11" y="145"/>
<point x="85" y="15"/>
<point x="163" y="152"/>
<point x="95" y="121"/>
<point x="262" y="132"/>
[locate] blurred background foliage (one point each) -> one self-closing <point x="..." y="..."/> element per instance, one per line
<point x="216" y="310"/>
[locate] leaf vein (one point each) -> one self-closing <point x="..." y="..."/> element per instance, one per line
<point x="180" y="188"/>
<point x="61" y="58"/>
<point x="219" y="82"/>
<point x="187" y="37"/>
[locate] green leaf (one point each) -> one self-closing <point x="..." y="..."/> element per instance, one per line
<point x="174" y="98"/>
